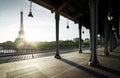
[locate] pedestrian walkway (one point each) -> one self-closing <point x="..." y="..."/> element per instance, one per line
<point x="71" y="65"/>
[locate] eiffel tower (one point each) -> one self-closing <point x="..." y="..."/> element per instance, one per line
<point x="21" y="44"/>
<point x="21" y="33"/>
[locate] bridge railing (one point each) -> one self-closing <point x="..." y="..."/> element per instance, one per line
<point x="9" y="51"/>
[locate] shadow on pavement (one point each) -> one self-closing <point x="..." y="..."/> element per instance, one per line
<point x="110" y="70"/>
<point x="92" y="72"/>
<point x="111" y="56"/>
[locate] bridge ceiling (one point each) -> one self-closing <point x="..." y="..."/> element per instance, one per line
<point x="79" y="10"/>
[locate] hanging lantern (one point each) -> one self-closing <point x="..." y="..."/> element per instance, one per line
<point x="67" y="24"/>
<point x="30" y="15"/>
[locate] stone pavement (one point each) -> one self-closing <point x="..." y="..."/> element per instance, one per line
<point x="72" y="65"/>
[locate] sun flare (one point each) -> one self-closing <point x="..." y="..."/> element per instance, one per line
<point x="31" y="36"/>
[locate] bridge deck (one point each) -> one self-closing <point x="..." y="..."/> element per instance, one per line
<point x="72" y="65"/>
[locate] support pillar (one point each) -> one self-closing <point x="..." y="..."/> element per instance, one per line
<point x="57" y="17"/>
<point x="106" y="32"/>
<point x="94" y="31"/>
<point x="80" y="37"/>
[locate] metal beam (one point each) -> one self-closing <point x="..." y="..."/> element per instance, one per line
<point x="77" y="16"/>
<point x="82" y="5"/>
<point x="63" y="5"/>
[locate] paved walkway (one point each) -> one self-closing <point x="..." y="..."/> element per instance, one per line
<point x="72" y="65"/>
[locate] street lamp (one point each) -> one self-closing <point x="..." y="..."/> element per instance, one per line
<point x="83" y="30"/>
<point x="30" y="15"/>
<point x="109" y="16"/>
<point x="67" y="24"/>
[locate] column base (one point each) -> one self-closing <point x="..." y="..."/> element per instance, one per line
<point x="57" y="57"/>
<point x="93" y="64"/>
<point x="80" y="51"/>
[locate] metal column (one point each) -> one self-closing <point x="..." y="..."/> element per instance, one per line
<point x="57" y="17"/>
<point x="80" y="42"/>
<point x="94" y="31"/>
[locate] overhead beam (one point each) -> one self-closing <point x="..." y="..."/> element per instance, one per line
<point x="43" y="4"/>
<point x="63" y="5"/>
<point x="78" y="3"/>
<point x="82" y="5"/>
<point x="77" y="16"/>
<point x="81" y="11"/>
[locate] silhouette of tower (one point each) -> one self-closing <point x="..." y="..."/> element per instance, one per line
<point x="21" y="33"/>
<point x="21" y="44"/>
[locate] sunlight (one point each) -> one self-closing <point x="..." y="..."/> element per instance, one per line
<point x="32" y="36"/>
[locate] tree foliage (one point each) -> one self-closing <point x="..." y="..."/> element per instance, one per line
<point x="50" y="45"/>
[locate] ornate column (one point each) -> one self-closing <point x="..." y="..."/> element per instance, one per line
<point x="94" y="31"/>
<point x="80" y="42"/>
<point x="57" y="17"/>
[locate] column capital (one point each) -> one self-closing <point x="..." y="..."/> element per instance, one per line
<point x="57" y="16"/>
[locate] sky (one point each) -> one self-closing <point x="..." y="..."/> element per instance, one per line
<point x="40" y="28"/>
